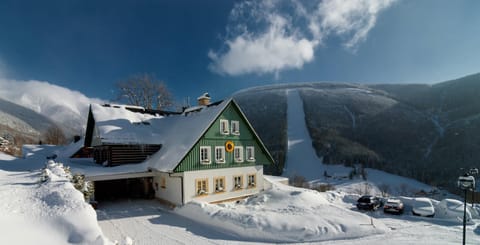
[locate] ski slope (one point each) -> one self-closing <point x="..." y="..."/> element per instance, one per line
<point x="301" y="159"/>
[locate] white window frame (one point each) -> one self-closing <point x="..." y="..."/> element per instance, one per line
<point x="221" y="150"/>
<point x="250" y="153"/>
<point x="238" y="157"/>
<point x="208" y="152"/>
<point x="235" y="126"/>
<point x="224" y="127"/>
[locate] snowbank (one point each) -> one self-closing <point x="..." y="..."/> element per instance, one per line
<point x="285" y="214"/>
<point x="45" y="212"/>
<point x="6" y="157"/>
<point x="451" y="209"/>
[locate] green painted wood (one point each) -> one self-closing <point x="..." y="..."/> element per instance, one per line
<point x="212" y="137"/>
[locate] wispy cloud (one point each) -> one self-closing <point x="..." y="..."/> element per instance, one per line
<point x="271" y="36"/>
<point x="64" y="106"/>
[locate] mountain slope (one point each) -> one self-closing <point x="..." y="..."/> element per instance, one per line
<point x="20" y="125"/>
<point x="66" y="107"/>
<point x="427" y="132"/>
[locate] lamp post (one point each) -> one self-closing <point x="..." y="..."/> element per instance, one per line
<point x="465" y="182"/>
<point x="473" y="172"/>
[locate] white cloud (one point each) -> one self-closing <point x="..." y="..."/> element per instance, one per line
<point x="271" y="36"/>
<point x="271" y="51"/>
<point x="347" y="17"/>
<point x="64" y="106"/>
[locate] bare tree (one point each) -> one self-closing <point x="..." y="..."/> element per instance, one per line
<point x="298" y="181"/>
<point x="54" y="136"/>
<point x="144" y="90"/>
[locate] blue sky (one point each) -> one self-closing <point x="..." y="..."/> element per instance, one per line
<point x="223" y="46"/>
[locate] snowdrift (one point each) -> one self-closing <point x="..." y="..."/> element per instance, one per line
<point x="51" y="211"/>
<point x="451" y="209"/>
<point x="284" y="214"/>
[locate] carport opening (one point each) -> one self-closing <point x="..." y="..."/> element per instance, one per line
<point x="135" y="188"/>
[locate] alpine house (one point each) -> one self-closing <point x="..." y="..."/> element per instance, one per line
<point x="209" y="152"/>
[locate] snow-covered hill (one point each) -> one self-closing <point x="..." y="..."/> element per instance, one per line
<point x="20" y="125"/>
<point x="403" y="129"/>
<point x="23" y="119"/>
<point x="66" y="107"/>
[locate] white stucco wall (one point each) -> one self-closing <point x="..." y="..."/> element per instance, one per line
<point x="173" y="188"/>
<point x="269" y="179"/>
<point x="229" y="193"/>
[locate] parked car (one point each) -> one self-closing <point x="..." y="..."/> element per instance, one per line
<point x="368" y="203"/>
<point x="393" y="206"/>
<point x="423" y="207"/>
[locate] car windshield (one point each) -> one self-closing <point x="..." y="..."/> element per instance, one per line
<point x="364" y="199"/>
<point x="422" y="204"/>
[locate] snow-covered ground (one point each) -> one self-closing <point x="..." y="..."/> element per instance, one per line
<point x="45" y="212"/>
<point x="284" y="214"/>
<point x="53" y="212"/>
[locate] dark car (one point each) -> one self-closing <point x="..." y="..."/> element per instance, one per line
<point x="394" y="206"/>
<point x="368" y="203"/>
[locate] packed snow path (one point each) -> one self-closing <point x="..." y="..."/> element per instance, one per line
<point x="301" y="157"/>
<point x="148" y="222"/>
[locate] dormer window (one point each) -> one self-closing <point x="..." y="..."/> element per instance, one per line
<point x="224" y="127"/>
<point x="205" y="155"/>
<point x="250" y="153"/>
<point x="235" y="127"/>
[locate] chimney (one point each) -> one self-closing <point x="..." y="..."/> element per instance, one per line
<point x="204" y="99"/>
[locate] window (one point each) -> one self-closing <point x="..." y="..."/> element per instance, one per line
<point x="219" y="154"/>
<point x="238" y="154"/>
<point x="219" y="184"/>
<point x="205" y="155"/>
<point x="235" y="127"/>
<point x="237" y="182"/>
<point x="201" y="186"/>
<point x="251" y="180"/>
<point x="224" y="127"/>
<point x="250" y="154"/>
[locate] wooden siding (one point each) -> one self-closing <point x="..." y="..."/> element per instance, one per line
<point x="213" y="137"/>
<point x="123" y="154"/>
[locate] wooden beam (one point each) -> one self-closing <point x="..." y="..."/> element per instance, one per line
<point x="119" y="176"/>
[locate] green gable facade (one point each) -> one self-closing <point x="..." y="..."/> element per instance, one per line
<point x="214" y="138"/>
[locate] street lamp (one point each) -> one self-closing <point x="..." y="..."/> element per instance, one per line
<point x="473" y="172"/>
<point x="465" y="182"/>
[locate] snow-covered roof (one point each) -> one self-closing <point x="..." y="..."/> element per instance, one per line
<point x="176" y="133"/>
<point x="118" y="124"/>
